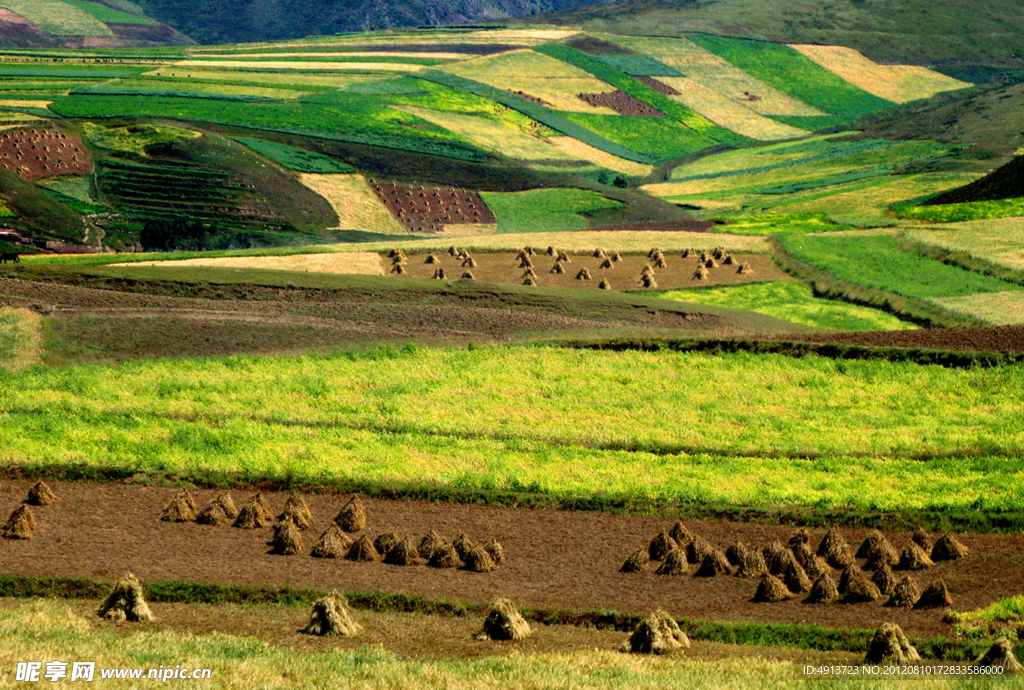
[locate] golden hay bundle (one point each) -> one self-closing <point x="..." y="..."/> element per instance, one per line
<point x="774" y="552"/>
<point x="646" y="271"/>
<point x="399" y="261"/>
<point x="855" y="587"/>
<point x="1000" y="655"/>
<point x="530" y="280"/>
<point x="753" y="565"/>
<point x="478" y="561"/>
<point x="20" y="524"/>
<point x="771" y="589"/>
<point x="439" y="274"/>
<point x="935" y="596"/>
<point x="395" y="251"/>
<point x="467" y="275"/>
<point x="648" y="281"/>
<point x="126" y="602"/>
<point x="452" y="251"/>
<point x="445" y="556"/>
<point x="399" y="269"/>
<point x="823" y="591"/>
<point x="877" y="550"/>
<point x="638" y="562"/>
<point x="558" y="268"/>
<point x="469" y="262"/>
<point x="496" y="551"/>
<point x="227" y="504"/>
<point x="801" y="536"/>
<point x="41" y="494"/>
<point x="834" y="549"/>
<point x="463" y="254"/>
<point x="607" y="263"/>
<point x="504" y="622"/>
<point x="701" y="273"/>
<point x="430" y="542"/>
<point x="551" y="251"/>
<point x="333" y="543"/>
<point x="363" y="551"/>
<point x="890" y="646"/>
<point x="660" y="262"/>
<point x="616" y="256"/>
<point x="728" y="260"/>
<point x="658" y="633"/>
<point x="598" y="253"/>
<point x="948" y="548"/>
<point x="584" y="274"/>
<point x="254" y="514"/>
<point x="715" y="563"/>
<point x="921" y="538"/>
<point x="331" y="616"/>
<point x="698" y="549"/>
<point x="736" y="553"/>
<point x="913" y="557"/>
<point x="745" y="269"/>
<point x="296" y="509"/>
<point x="675" y="563"/>
<point x="463" y="545"/>
<point x="529" y="251"/>
<point x="720" y="253"/>
<point x="182" y="508"/>
<point x="287" y="539"/>
<point x="528" y="273"/>
<point x="211" y="514"/>
<point x="710" y="263"/>
<point x="687" y="253"/>
<point x="814" y="565"/>
<point x="525" y="262"/>
<point x="352" y="516"/>
<point x="680" y="534"/>
<point x="795" y="578"/>
<point x="884" y="579"/>
<point x="431" y="259"/>
<point x="654" y="251"/>
<point x="605" y="284"/>
<point x="563" y="258"/>
<point x="385" y="541"/>
<point x="402" y="553"/>
<point x="905" y="594"/>
<point x="870" y="543"/>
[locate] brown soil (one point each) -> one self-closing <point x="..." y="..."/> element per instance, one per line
<point x="532" y="99"/>
<point x="430" y="209"/>
<point x="993" y="339"/>
<point x="659" y="86"/>
<point x="38" y="153"/>
<point x="101" y="531"/>
<point x="621" y="102"/>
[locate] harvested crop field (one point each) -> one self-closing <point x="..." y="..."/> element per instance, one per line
<point x="38" y="153"/>
<point x="431" y="209"/>
<point x="994" y="339"/>
<point x="358" y="263"/>
<point x="355" y="204"/>
<point x="729" y="113"/>
<point x="621" y="102"/>
<point x="562" y="560"/>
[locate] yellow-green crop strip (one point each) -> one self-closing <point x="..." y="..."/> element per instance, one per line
<point x="683" y="427"/>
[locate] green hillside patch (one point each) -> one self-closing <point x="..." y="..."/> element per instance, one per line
<point x="660" y="138"/>
<point x="546" y="210"/>
<point x="640" y="66"/>
<point x="790" y="72"/>
<point x="949" y="213"/>
<point x="108" y="14"/>
<point x="296" y="159"/>
<point x="58" y="18"/>
<point x="135" y="139"/>
<point x="794" y="302"/>
<point x="877" y="261"/>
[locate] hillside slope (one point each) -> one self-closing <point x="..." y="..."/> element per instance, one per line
<point x="81" y="24"/>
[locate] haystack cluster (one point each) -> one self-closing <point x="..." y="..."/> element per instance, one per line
<point x="22" y="521"/>
<point x="826" y="574"/>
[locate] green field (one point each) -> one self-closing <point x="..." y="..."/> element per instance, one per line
<point x="951" y="213"/>
<point x="107" y="14"/>
<point x="793" y="302"/>
<point x="661" y="138"/>
<point x="295" y="159"/>
<point x="546" y="210"/>
<point x="59" y="18"/>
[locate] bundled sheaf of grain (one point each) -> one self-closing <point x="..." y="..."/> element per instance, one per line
<point x="398" y="269"/>
<point x="431" y="259"/>
<point x="771" y="589"/>
<point x="921" y="538"/>
<point x="736" y="553"/>
<point x="385" y="541"/>
<point x="227" y="504"/>
<point x="675" y="563"/>
<point x="529" y="251"/>
<point x="126" y="602"/>
<point x="680" y="534"/>
<point x="607" y="263"/>
<point x="745" y="269"/>
<point x="720" y="253"/>
<point x="774" y="552"/>
<point x="905" y="594"/>
<point x="584" y="274"/>
<point x="525" y="262"/>
<point x="834" y="549"/>
<point x="1000" y="655"/>
<point x="41" y="494"/>
<point x="528" y="273"/>
<point x="877" y="550"/>
<point x="563" y="258"/>
<point x="648" y="281"/>
<point x="710" y="263"/>
<point x="660" y="545"/>
<point x="20" y="524"/>
<point x="728" y="260"/>
<point x="504" y="622"/>
<point x="598" y="253"/>
<point x="352" y="516"/>
<point x="463" y="545"/>
<point x="182" y="508"/>
<point x="855" y="587"/>
<point x="469" y="262"/>
<point x="452" y="251"/>
<point x="467" y="275"/>
<point x="402" y="553"/>
<point x="913" y="557"/>
<point x="616" y="256"/>
<point x="795" y="577"/>
<point x="660" y="262"/>
<point x="714" y="564"/>
<point x="439" y="274"/>
<point x="445" y="556"/>
<point x="296" y="509"/>
<point x="653" y="252"/>
<point x="496" y="551"/>
<point x="558" y="269"/>
<point x="551" y="251"/>
<point x="331" y="616"/>
<point x="333" y="543"/>
<point x="647" y="270"/>
<point x="287" y="539"/>
<point x="478" y="561"/>
<point x="701" y="273"/>
<point x="948" y="548"/>
<point x="254" y="514"/>
<point x="935" y="596"/>
<point x="658" y="633"/>
<point x="850" y="573"/>
<point x="884" y="579"/>
<point x="698" y="549"/>
<point x="212" y="514"/>
<point x="801" y="536"/>
<point x="823" y="591"/>
<point x="530" y="280"/>
<point x="687" y="253"/>
<point x="638" y="562"/>
<point x="430" y="542"/>
<point x="890" y="646"/>
<point x="363" y="551"/>
<point x="753" y="565"/>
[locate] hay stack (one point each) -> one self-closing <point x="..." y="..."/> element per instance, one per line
<point x="680" y="534"/>
<point x="753" y="565"/>
<point x="126" y="602"/>
<point x="439" y="274"/>
<point x="496" y="551"/>
<point x="715" y="563"/>
<point x="728" y="260"/>
<point x="528" y="273"/>
<point x="921" y="538"/>
<point x="834" y="549"/>
<point x="467" y="275"/>
<point x="878" y="551"/>
<point x="773" y="551"/>
<point x="607" y="263"/>
<point x="687" y="253"/>
<point x="182" y="508"/>
<point x="704" y="256"/>
<point x="616" y="256"/>
<point x="504" y="622"/>
<point x="20" y="524"/>
<point x="710" y="263"/>
<point x="296" y="509"/>
<point x="935" y="596"/>
<point x="584" y="274"/>
<point x="675" y="563"/>
<point x="648" y="281"/>
<point x="463" y="545"/>
<point x="654" y="251"/>
<point x="605" y="284"/>
<point x="661" y="545"/>
<point x="558" y="268"/>
<point x="227" y="504"/>
<point x="701" y="273"/>
<point x="254" y="514"/>
<point x="395" y="251"/>
<point x="813" y="564"/>
<point x="431" y="259"/>
<point x="452" y="251"/>
<point x="638" y="562"/>
<point x="913" y="557"/>
<point x="478" y="561"/>
<point x="525" y="262"/>
<point x="905" y="594"/>
<point x="529" y="251"/>
<point x="890" y="646"/>
<point x="646" y="271"/>
<point x="212" y="514"/>
<point x="333" y="543"/>
<point x="563" y="258"/>
<point x="795" y="578"/>
<point x="948" y="548"/>
<point x="884" y="579"/>
<point x="363" y="551"/>
<point x="469" y="262"/>
<point x="1001" y="655"/>
<point x="745" y="269"/>
<point x="402" y="553"/>
<point x="445" y="556"/>
<point x="736" y="553"/>
<point x="870" y="544"/>
<point x="287" y="539"/>
<point x="660" y="262"/>
<point x="430" y="542"/>
<point x="801" y="536"/>
<point x="598" y="253"/>
<point x="551" y="251"/>
<point x="782" y="562"/>
<point x="330" y="616"/>
<point x="385" y="541"/>
<point x="399" y="269"/>
<point x="855" y="587"/>
<point x="41" y="494"/>
<point x="771" y="589"/>
<point x="698" y="549"/>
<point x="352" y="516"/>
<point x="823" y="591"/>
<point x="720" y="253"/>
<point x="658" y="633"/>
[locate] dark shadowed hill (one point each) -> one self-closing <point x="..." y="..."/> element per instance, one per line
<point x="1006" y="182"/>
